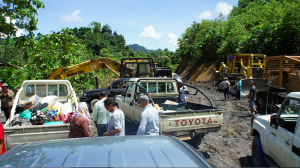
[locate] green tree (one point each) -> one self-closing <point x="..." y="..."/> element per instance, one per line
<point x="21" y="14"/>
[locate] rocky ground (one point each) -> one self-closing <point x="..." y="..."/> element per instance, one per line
<point x="231" y="146"/>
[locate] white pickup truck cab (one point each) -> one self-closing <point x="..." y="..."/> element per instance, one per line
<point x="277" y="136"/>
<point x="23" y="134"/>
<point x="191" y="120"/>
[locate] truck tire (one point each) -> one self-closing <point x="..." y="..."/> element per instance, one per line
<point x="92" y="104"/>
<point x="257" y="153"/>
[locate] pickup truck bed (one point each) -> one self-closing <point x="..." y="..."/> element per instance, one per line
<point x="194" y="119"/>
<point x="23" y="134"/>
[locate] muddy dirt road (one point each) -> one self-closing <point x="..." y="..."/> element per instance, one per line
<point x="229" y="147"/>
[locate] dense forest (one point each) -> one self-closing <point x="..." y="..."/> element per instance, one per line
<point x="40" y="55"/>
<point x="270" y="27"/>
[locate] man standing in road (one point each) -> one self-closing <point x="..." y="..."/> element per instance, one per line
<point x="226" y="86"/>
<point x="239" y="88"/>
<point x="252" y="98"/>
<point x="116" y="124"/>
<point x="182" y="95"/>
<point x="100" y="114"/>
<point x="7" y="100"/>
<point x="149" y="121"/>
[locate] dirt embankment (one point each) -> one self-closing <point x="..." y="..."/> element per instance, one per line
<point x="193" y="71"/>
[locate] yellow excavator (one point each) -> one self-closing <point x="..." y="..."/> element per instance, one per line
<point x="243" y="65"/>
<point x="128" y="68"/>
<point x="281" y="76"/>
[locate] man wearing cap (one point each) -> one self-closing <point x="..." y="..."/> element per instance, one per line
<point x="226" y="86"/>
<point x="7" y="100"/>
<point x="149" y="121"/>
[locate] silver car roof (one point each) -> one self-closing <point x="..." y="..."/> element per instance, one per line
<point x="127" y="151"/>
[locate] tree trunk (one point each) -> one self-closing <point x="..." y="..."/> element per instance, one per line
<point x="97" y="82"/>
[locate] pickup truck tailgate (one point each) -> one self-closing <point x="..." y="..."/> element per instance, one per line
<point x="199" y="121"/>
<point x="18" y="135"/>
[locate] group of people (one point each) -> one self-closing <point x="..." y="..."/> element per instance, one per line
<point x="110" y="120"/>
<point x="252" y="97"/>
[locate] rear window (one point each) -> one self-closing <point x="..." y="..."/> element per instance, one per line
<point x="152" y="87"/>
<point x="42" y="89"/>
<point x="158" y="87"/>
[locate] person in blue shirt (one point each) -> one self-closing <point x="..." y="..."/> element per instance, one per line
<point x="183" y="96"/>
<point x="239" y="88"/>
<point x="149" y="121"/>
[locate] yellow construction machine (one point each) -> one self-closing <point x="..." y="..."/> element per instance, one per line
<point x="246" y="66"/>
<point x="128" y="68"/>
<point x="281" y="76"/>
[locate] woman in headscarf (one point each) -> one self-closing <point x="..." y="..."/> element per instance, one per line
<point x="80" y="122"/>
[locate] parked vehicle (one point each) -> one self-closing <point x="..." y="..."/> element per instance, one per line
<point x="277" y="136"/>
<point x="246" y="66"/>
<point x="185" y="119"/>
<point x="128" y="151"/>
<point x="281" y="76"/>
<point x="92" y="96"/>
<point x="23" y="134"/>
<point x="128" y="68"/>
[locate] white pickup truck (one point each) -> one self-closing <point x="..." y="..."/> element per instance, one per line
<point x="18" y="135"/>
<point x="188" y="120"/>
<point x="277" y="136"/>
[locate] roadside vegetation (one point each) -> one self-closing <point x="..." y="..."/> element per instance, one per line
<point x="270" y="27"/>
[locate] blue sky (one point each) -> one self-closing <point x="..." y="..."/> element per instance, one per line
<point x="152" y="24"/>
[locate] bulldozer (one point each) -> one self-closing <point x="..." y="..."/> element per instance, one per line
<point x="128" y="68"/>
<point x="243" y="65"/>
<point x="281" y="76"/>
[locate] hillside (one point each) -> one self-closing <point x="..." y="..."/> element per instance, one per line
<point x="136" y="47"/>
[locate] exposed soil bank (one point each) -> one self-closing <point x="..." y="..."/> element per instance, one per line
<point x="193" y="71"/>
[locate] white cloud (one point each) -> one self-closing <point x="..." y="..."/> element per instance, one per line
<point x="173" y="38"/>
<point x="224" y="8"/>
<point x="73" y="18"/>
<point x="150" y="32"/>
<point x="205" y="15"/>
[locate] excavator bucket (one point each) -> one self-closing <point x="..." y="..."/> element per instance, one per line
<point x="258" y="83"/>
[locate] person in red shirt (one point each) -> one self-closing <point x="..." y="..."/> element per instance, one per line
<point x="1" y="85"/>
<point x="2" y="143"/>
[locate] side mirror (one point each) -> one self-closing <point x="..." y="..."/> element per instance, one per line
<point x="109" y="87"/>
<point x="273" y="121"/>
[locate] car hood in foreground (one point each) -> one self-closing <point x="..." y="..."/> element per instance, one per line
<point x="128" y="151"/>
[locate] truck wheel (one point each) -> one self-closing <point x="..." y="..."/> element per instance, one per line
<point x="93" y="102"/>
<point x="257" y="153"/>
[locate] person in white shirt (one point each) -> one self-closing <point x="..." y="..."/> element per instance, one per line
<point x="226" y="86"/>
<point x="149" y="120"/>
<point x="116" y="124"/>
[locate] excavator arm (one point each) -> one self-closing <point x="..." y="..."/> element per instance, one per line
<point x="85" y="67"/>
